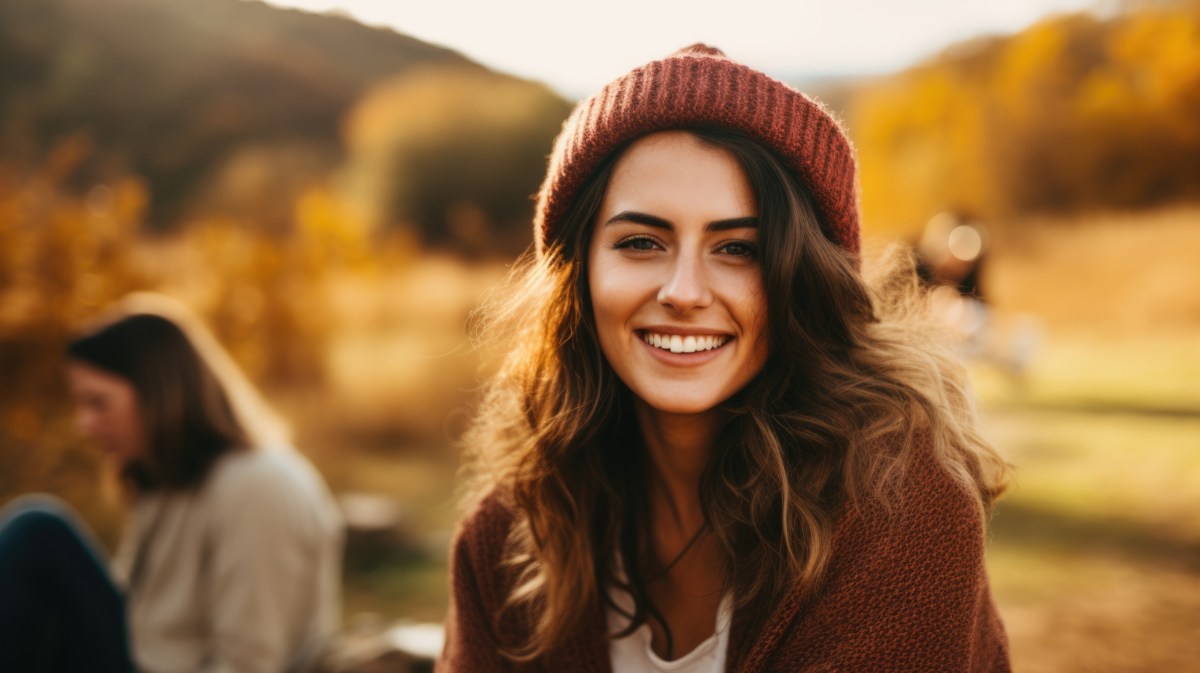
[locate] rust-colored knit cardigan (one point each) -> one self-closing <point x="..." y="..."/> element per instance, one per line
<point x="904" y="592"/>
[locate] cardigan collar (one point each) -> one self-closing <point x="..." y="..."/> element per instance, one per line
<point x="749" y="652"/>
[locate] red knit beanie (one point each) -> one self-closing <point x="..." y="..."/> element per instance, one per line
<point x="699" y="86"/>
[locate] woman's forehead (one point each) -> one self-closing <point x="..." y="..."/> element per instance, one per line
<point x="674" y="173"/>
<point x="83" y="375"/>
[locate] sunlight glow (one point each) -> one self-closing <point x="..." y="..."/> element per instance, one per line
<point x="576" y="48"/>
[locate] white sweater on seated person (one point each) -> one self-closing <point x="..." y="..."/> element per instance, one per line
<point x="239" y="575"/>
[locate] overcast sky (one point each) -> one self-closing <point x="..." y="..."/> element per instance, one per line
<point x="577" y="47"/>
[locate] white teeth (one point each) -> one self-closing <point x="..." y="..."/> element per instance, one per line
<point x="684" y="344"/>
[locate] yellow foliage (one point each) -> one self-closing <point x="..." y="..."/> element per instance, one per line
<point x="1159" y="54"/>
<point x="1073" y="114"/>
<point x="919" y="140"/>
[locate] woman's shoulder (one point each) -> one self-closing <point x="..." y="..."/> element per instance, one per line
<point x="272" y="468"/>
<point x="486" y="525"/>
<point x="927" y="501"/>
<point x="478" y="551"/>
<point x="937" y="489"/>
<point x="270" y="478"/>
<point x="907" y="581"/>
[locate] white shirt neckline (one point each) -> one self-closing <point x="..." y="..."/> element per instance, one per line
<point x="634" y="653"/>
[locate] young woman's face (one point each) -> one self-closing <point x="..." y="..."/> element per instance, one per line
<point x="673" y="273"/>
<point x="107" y="411"/>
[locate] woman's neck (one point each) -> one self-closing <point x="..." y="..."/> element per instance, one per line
<point x="678" y="448"/>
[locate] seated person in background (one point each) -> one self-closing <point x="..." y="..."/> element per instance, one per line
<point x="230" y="560"/>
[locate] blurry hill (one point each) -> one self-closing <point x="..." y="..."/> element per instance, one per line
<point x="220" y="105"/>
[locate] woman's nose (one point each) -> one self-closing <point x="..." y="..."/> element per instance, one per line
<point x="686" y="287"/>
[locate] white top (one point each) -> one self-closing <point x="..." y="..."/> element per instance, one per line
<point x="633" y="653"/>
<point x="241" y="575"/>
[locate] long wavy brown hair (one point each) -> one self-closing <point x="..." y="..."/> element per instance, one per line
<point x="854" y="363"/>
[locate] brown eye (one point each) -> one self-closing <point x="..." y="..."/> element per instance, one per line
<point x="740" y="249"/>
<point x="637" y="243"/>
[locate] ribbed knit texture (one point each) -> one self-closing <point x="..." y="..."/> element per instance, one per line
<point x="699" y="86"/>
<point x="906" y="592"/>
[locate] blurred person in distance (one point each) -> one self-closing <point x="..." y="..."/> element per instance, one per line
<point x="951" y="255"/>
<point x="230" y="559"/>
<point x="715" y="445"/>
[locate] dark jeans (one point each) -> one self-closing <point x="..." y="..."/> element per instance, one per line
<point x="59" y="608"/>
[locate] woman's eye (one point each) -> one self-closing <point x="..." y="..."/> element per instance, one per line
<point x="740" y="249"/>
<point x="637" y="243"/>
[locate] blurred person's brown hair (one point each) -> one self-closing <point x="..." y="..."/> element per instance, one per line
<point x="194" y="403"/>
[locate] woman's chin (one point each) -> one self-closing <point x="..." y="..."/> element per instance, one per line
<point x="680" y="405"/>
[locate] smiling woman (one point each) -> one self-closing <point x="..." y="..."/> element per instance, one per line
<point x="714" y="446"/>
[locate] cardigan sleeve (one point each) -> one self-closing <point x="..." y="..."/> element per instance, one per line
<point x="477" y="589"/>
<point x="906" y="590"/>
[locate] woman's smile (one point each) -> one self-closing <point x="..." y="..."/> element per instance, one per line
<point x="684" y="342"/>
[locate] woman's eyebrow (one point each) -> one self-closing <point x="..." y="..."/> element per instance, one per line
<point x="733" y="223"/>
<point x="639" y="218"/>
<point x="660" y="223"/>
